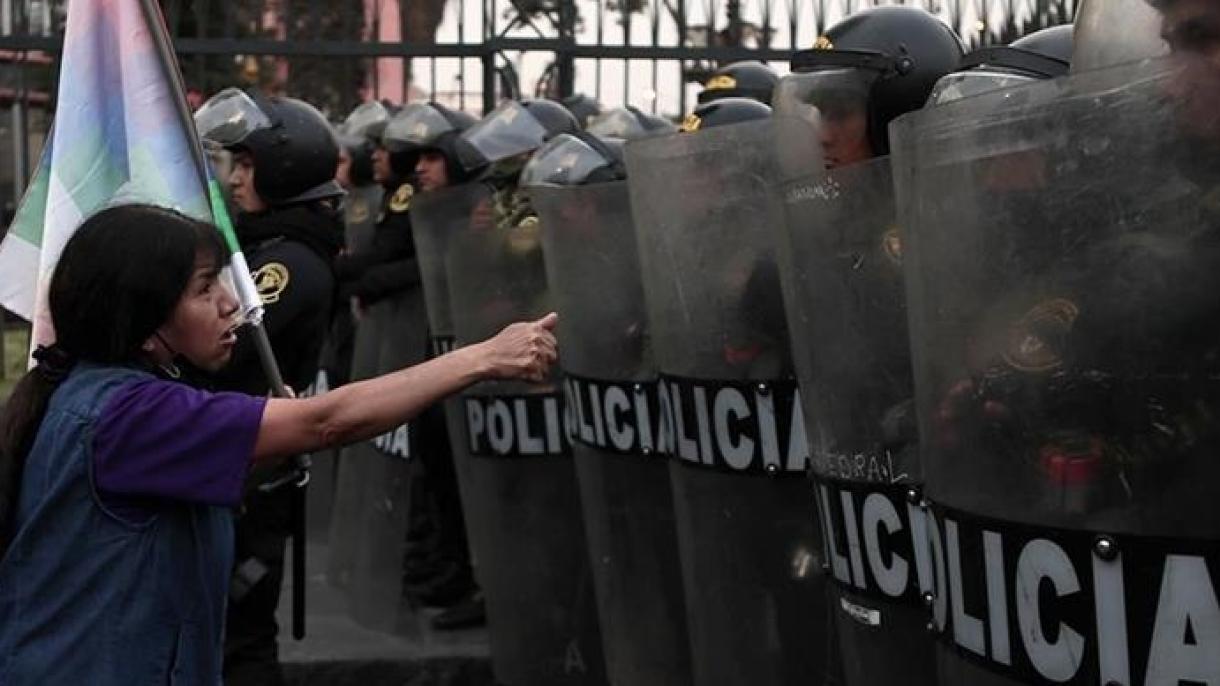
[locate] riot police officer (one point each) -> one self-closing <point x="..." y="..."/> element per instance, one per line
<point x="284" y="160"/>
<point x="863" y="73"/>
<point x="746" y="79"/>
<point x="440" y="574"/>
<point x="1044" y="54"/>
<point x="502" y="142"/>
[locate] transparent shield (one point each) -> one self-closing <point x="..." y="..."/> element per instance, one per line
<point x="1061" y="279"/>
<point x="1112" y="32"/>
<point x="593" y="270"/>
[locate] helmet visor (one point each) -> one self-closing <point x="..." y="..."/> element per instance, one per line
<point x="619" y="123"/>
<point x="365" y="119"/>
<point x="965" y="84"/>
<point x="829" y="93"/>
<point x="564" y="161"/>
<point x="229" y="117"/>
<point x="417" y="125"/>
<point x="508" y="131"/>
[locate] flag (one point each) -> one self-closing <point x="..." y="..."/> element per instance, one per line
<point x="120" y="135"/>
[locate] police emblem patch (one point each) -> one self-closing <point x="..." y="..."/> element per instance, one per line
<point x="823" y="43"/>
<point x="1038" y="342"/>
<point x="891" y="243"/>
<point x="690" y="124"/>
<point x="358" y="211"/>
<point x="721" y="82"/>
<point x="271" y="280"/>
<point x="401" y="200"/>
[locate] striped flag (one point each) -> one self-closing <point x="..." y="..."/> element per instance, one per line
<point x="119" y="136"/>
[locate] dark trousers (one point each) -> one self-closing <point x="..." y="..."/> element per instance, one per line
<point x="251" y="630"/>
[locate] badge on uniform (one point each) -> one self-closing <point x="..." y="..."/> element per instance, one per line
<point x="271" y="280"/>
<point x="1038" y="342"/>
<point x="721" y="82"/>
<point x="891" y="244"/>
<point x="691" y="124"/>
<point x="358" y="211"/>
<point x="401" y="200"/>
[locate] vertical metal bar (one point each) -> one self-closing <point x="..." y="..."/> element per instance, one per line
<point x="682" y="37"/>
<point x="462" y="60"/>
<point x="625" y="10"/>
<point x="599" y="33"/>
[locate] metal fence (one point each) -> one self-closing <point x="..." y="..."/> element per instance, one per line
<point x="468" y="53"/>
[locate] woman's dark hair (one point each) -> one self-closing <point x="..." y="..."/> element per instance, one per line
<point x="118" y="280"/>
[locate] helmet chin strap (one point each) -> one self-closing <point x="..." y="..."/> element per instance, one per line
<point x="171" y="370"/>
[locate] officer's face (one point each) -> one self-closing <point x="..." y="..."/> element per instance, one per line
<point x="844" y="134"/>
<point x="343" y="172"/>
<point x="203" y="324"/>
<point x="430" y="171"/>
<point x="1192" y="30"/>
<point x="241" y="183"/>
<point x="382" y="173"/>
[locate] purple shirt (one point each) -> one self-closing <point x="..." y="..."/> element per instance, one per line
<point x="159" y="440"/>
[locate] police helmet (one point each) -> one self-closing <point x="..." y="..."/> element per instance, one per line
<point x="575" y="159"/>
<point x="629" y="123"/>
<point x="746" y="79"/>
<point x="723" y="112"/>
<point x="294" y="148"/>
<point x="368" y="120"/>
<point x="512" y="129"/>
<point x="418" y="127"/>
<point x="882" y="61"/>
<point x="1044" y="54"/>
<point x="1111" y="32"/>
<point x="583" y="107"/>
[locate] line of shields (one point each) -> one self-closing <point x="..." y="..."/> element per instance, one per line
<point x="943" y="417"/>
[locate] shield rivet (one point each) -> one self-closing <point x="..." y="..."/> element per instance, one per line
<point x="912" y="496"/>
<point x="1105" y="548"/>
<point x="764" y="389"/>
<point x="923" y="504"/>
<point x="931" y="627"/>
<point x="928" y="599"/>
<point x="771" y="470"/>
<point x="637" y="387"/>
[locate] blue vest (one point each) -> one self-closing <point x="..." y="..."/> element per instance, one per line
<point x="88" y="598"/>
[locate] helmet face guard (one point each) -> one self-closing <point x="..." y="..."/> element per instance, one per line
<point x="416" y="126"/>
<point x="567" y="160"/>
<point x="229" y="117"/>
<point x="968" y="84"/>
<point x="508" y="131"/>
<point x="619" y="123"/>
<point x="366" y="120"/>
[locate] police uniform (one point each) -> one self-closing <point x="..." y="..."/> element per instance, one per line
<point x="290" y="252"/>
<point x="387" y="265"/>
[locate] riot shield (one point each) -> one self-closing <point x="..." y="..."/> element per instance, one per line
<point x="1063" y="262"/>
<point x="523" y="499"/>
<point x="436" y="217"/>
<point x="611" y="408"/>
<point x="750" y="552"/>
<point x="841" y="267"/>
<point x="360" y="214"/>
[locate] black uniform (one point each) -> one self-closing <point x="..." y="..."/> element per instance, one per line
<point x="387" y="266"/>
<point x="291" y="253"/>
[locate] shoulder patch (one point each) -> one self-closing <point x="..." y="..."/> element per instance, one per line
<point x="401" y="200"/>
<point x="271" y="280"/>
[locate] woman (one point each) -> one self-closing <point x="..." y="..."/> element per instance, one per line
<point x="116" y="478"/>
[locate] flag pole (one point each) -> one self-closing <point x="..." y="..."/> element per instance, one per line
<point x="247" y="293"/>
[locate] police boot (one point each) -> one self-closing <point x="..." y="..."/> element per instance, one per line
<point x="467" y="614"/>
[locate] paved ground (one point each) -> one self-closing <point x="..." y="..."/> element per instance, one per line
<point x="338" y="651"/>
